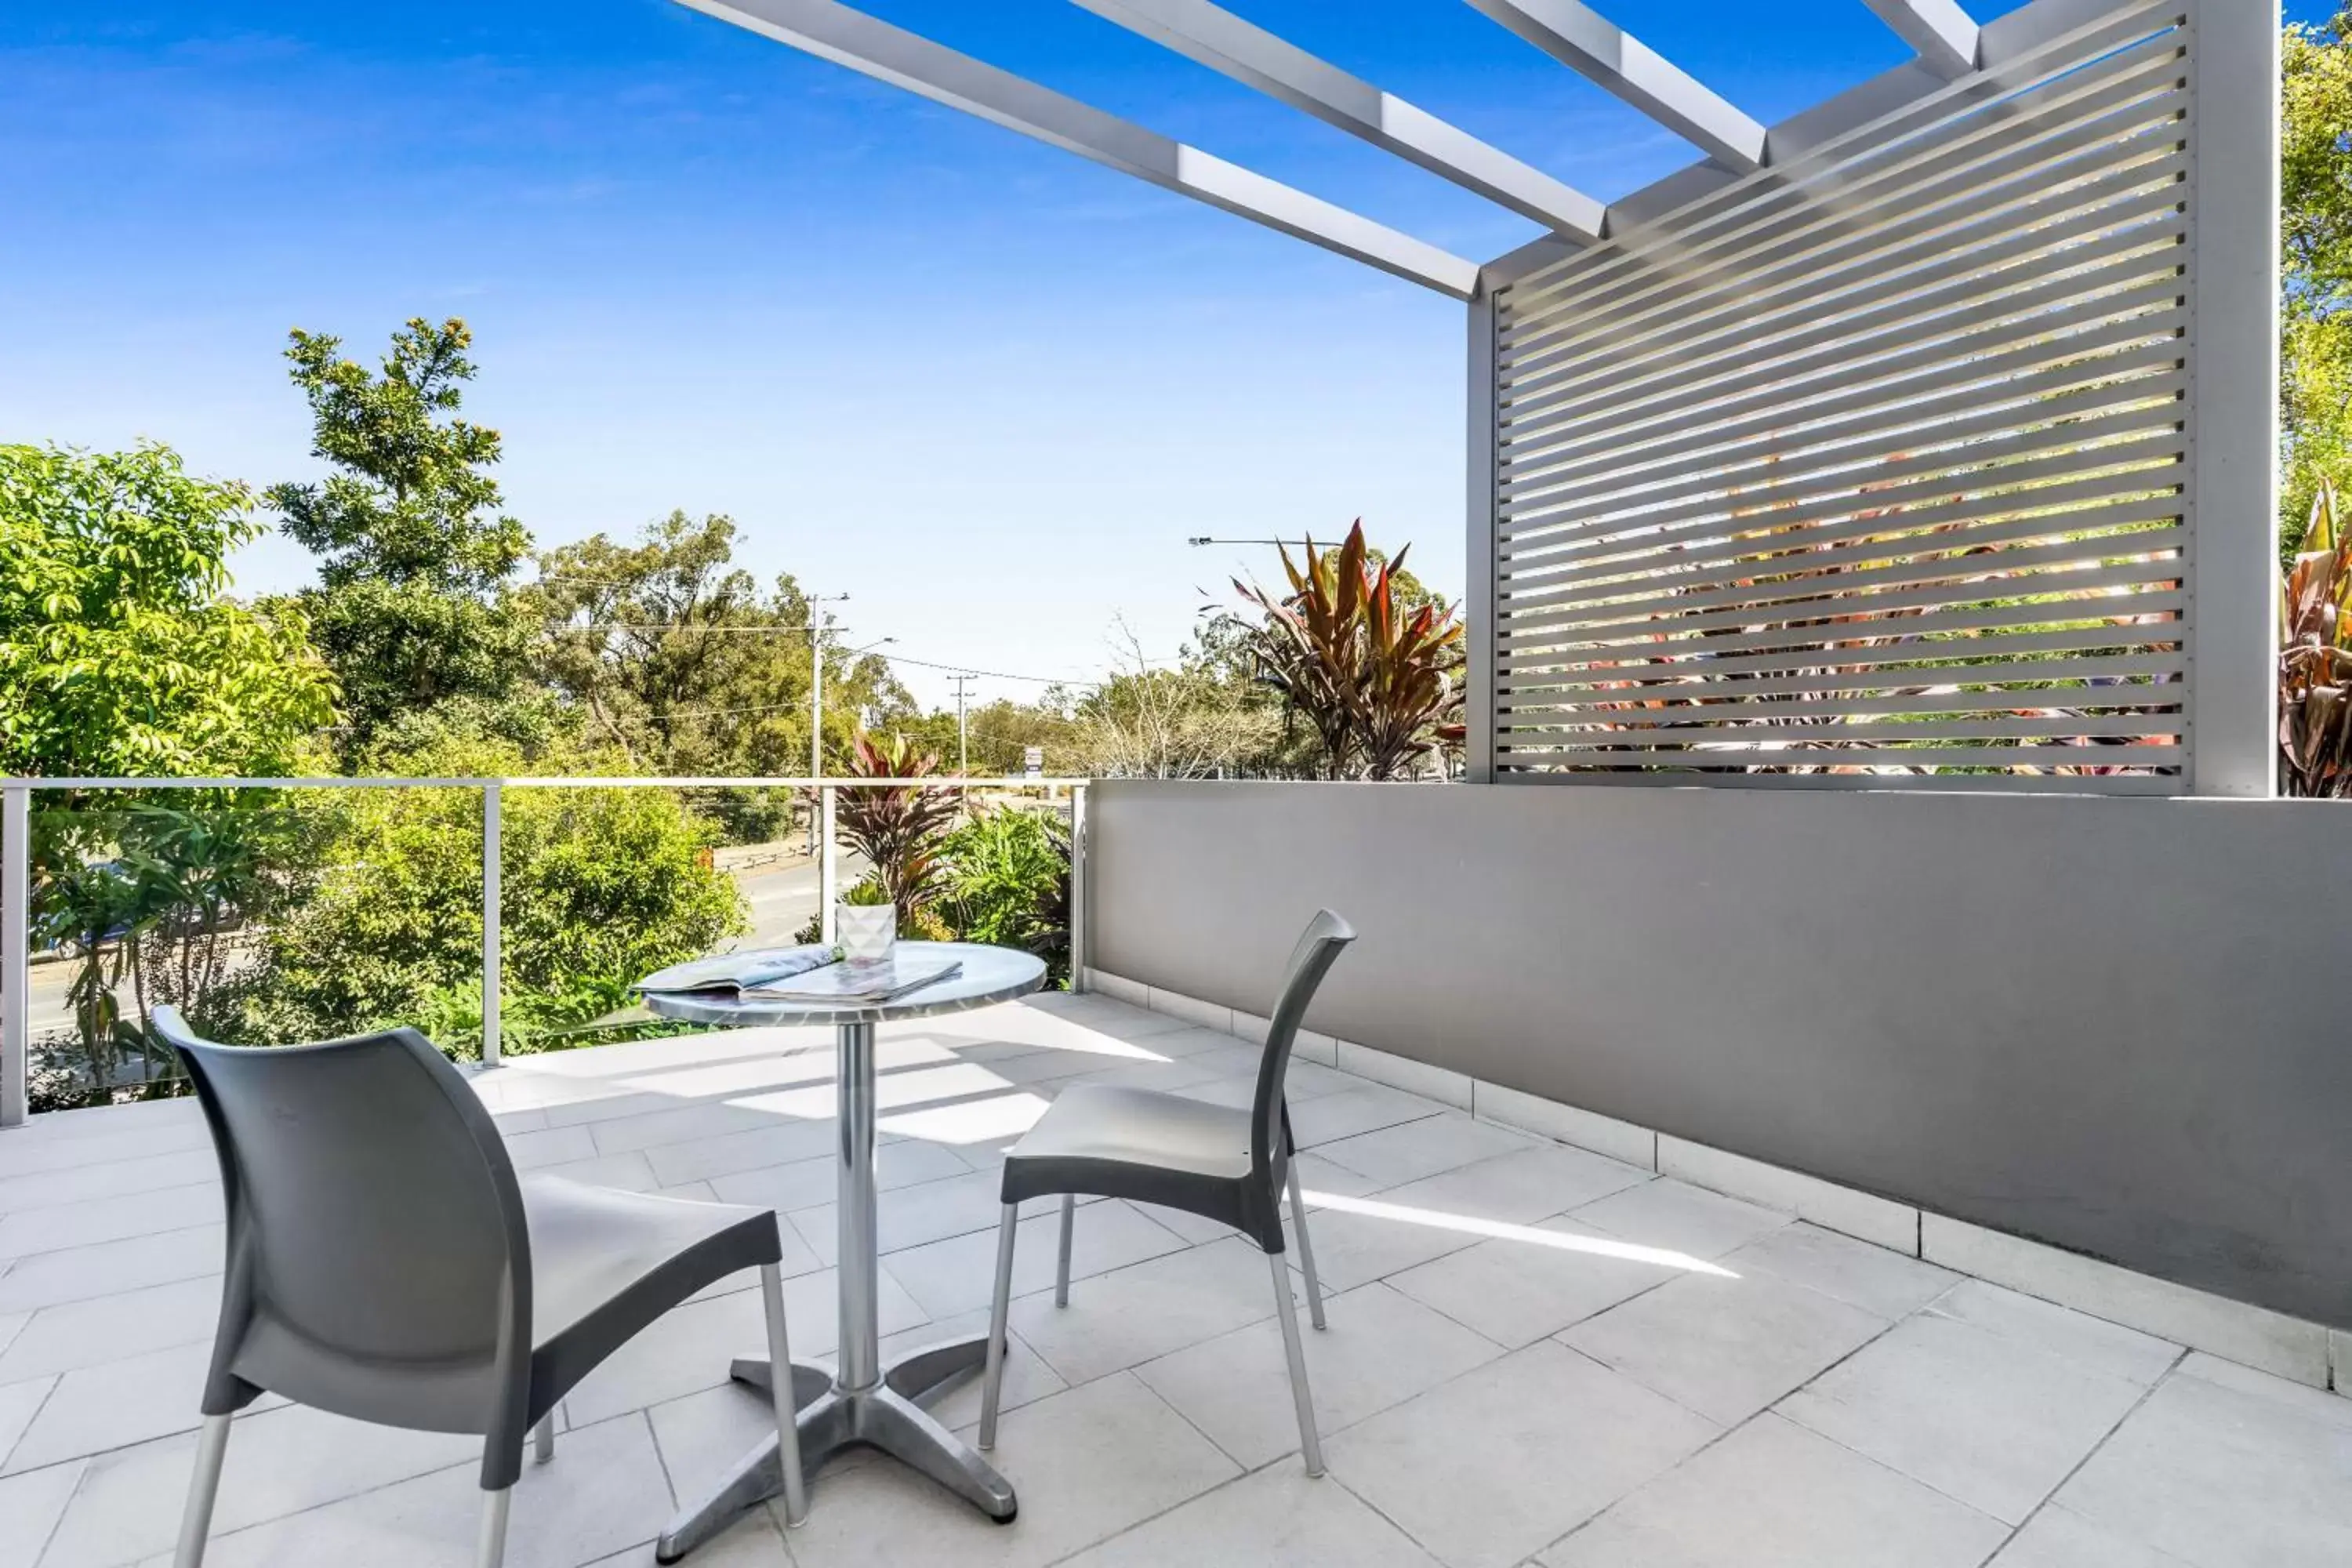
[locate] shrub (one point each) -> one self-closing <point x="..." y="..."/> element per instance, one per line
<point x="1006" y="880"/>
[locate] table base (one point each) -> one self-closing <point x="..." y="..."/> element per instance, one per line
<point x="887" y="1416"/>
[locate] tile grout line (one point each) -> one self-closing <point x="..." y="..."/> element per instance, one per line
<point x="2093" y="1451"/>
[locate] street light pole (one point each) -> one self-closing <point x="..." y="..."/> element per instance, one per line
<point x="963" y="745"/>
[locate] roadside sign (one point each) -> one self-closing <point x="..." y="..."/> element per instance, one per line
<point x="1032" y="760"/>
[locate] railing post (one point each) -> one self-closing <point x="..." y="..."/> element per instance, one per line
<point x="493" y="836"/>
<point x="16" y="953"/>
<point x="1077" y="887"/>
<point x="828" y="871"/>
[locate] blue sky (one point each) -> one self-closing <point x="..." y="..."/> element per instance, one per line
<point x="984" y="387"/>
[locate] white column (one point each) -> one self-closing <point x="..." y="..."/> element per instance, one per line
<point x="1077" y="886"/>
<point x="2233" y="407"/>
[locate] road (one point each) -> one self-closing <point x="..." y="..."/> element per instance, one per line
<point x="782" y="897"/>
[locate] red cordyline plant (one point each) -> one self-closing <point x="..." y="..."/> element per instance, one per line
<point x="897" y="829"/>
<point x="1375" y="680"/>
<point x="2316" y="660"/>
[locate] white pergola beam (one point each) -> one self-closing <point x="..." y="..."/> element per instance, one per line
<point x="873" y="48"/>
<point x="1943" y="35"/>
<point x="1215" y="37"/>
<point x="1579" y="38"/>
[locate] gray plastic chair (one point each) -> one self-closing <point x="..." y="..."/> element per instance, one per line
<point x="385" y="1263"/>
<point x="1213" y="1161"/>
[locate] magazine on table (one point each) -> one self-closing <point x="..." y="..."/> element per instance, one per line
<point x="739" y="971"/>
<point x="861" y="979"/>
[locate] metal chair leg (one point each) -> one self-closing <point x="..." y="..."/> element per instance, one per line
<point x="1286" y="1310"/>
<point x="1305" y="1251"/>
<point x="1062" y="1265"/>
<point x="542" y="1439"/>
<point x="492" y="1552"/>
<point x="780" y="1387"/>
<point x="196" y="1520"/>
<point x="1000" y="1309"/>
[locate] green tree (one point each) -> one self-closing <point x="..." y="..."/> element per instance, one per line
<point x="597" y="888"/>
<point x="2315" y="255"/>
<point x="119" y="654"/>
<point x="414" y="551"/>
<point x="685" y="665"/>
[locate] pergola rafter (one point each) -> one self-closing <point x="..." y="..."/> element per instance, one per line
<point x="1214" y="36"/>
<point x="874" y="48"/>
<point x="1943" y="33"/>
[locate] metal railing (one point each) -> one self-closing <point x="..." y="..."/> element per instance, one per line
<point x="17" y="890"/>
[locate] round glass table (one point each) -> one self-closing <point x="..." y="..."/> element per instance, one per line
<point x="862" y="1401"/>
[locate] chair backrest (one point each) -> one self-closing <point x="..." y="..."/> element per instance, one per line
<point x="375" y="1230"/>
<point x="1317" y="949"/>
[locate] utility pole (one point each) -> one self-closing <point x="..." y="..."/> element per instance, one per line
<point x="963" y="744"/>
<point x="816" y="682"/>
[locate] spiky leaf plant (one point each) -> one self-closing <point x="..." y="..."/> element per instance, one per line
<point x="2316" y="660"/>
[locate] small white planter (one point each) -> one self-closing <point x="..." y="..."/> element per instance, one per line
<point x="865" y="931"/>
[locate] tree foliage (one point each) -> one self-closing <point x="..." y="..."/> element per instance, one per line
<point x="119" y="654"/>
<point x="2316" y="253"/>
<point x="684" y="666"/>
<point x="412" y="549"/>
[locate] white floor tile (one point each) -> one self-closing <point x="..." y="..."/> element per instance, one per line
<point x="1395" y="1155"/>
<point x="1275" y="1518"/>
<point x="1148" y="1310"/>
<point x="2055" y="1537"/>
<point x="1519" y="1187"/>
<point x="1680" y="1217"/>
<point x="30" y="1507"/>
<point x="1087" y="1464"/>
<point x="1773" y="1495"/>
<point x="2104" y="1347"/>
<point x="958" y="1274"/>
<point x="1380" y="1350"/>
<point x="1517" y="1291"/>
<point x="1994" y="1422"/>
<point x="1868" y="1276"/>
<point x="107" y="1268"/>
<point x="2225" y="1477"/>
<point x="1508" y="1457"/>
<point x="1726" y="1348"/>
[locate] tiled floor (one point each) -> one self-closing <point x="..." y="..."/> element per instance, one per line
<point x="1536" y="1355"/>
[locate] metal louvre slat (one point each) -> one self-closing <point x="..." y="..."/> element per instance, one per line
<point x="2052" y="754"/>
<point x="1841" y="262"/>
<point x="1954" y="592"/>
<point x="1640" y="685"/>
<point x="2122" y="39"/>
<point x="2031" y="399"/>
<point x="1858" y="470"/>
<point x="1734" y="224"/>
<point x="1798" y="558"/>
<point x="1996" y="726"/>
<point x="1738" y="348"/>
<point x="2089" y="502"/>
<point x="2087" y="292"/>
<point x="1535" y="674"/>
<point x="2150" y="309"/>
<point x="1819" y="234"/>
<point x="1626" y="713"/>
<point x="2000" y="566"/>
<point x="2134" y="435"/>
<point x="1858" y="624"/>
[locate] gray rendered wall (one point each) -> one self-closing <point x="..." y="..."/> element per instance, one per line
<point x="2114" y="1026"/>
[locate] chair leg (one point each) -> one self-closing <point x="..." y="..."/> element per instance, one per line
<point x="1286" y="1310"/>
<point x="1062" y="1265"/>
<point x="542" y="1439"/>
<point x="196" y="1521"/>
<point x="780" y="1385"/>
<point x="1305" y="1251"/>
<point x="1000" y="1308"/>
<point x="492" y="1550"/>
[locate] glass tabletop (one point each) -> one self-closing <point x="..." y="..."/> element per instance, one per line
<point x="989" y="975"/>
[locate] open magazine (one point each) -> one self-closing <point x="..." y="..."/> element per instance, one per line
<point x="739" y="971"/>
<point x="867" y="980"/>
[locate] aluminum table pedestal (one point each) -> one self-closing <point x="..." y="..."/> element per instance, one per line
<point x="864" y="1402"/>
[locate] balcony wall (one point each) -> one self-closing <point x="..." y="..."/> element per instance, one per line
<point x="2114" y="1025"/>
